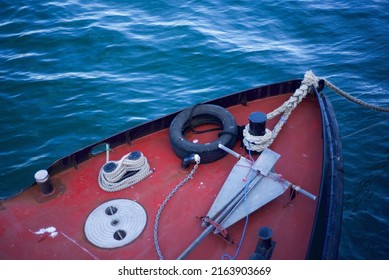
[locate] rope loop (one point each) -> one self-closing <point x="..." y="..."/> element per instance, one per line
<point x="259" y="143"/>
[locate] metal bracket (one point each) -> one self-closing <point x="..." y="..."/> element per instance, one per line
<point x="266" y="161"/>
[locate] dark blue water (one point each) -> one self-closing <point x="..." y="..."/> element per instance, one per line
<point x="73" y="72"/>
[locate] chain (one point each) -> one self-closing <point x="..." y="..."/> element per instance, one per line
<point x="170" y="195"/>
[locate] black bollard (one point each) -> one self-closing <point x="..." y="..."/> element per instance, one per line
<point x="265" y="245"/>
<point x="257" y="123"/>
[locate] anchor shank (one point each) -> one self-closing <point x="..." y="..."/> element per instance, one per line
<point x="242" y="195"/>
<point x="220" y="217"/>
<point x="196" y="242"/>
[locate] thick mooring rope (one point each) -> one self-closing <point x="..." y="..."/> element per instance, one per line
<point x="259" y="143"/>
<point x="353" y="99"/>
<point x="129" y="170"/>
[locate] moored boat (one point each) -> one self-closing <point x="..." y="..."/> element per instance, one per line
<point x="252" y="175"/>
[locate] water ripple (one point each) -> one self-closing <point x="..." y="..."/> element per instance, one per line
<point x="74" y="72"/>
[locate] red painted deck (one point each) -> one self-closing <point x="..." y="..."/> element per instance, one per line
<point x="78" y="193"/>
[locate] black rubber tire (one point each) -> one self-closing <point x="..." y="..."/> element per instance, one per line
<point x="203" y="114"/>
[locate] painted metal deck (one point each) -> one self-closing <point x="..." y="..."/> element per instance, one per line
<point x="77" y="193"/>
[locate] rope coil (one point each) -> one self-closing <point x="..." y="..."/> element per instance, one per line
<point x="256" y="143"/>
<point x="129" y="170"/>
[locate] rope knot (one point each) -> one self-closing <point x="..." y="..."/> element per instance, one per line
<point x="259" y="143"/>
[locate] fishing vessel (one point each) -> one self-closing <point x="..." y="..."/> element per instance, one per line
<point x="252" y="175"/>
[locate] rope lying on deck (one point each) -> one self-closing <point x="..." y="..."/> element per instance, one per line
<point x="259" y="143"/>
<point x="129" y="170"/>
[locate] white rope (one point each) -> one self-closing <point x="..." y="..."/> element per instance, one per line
<point x="256" y="143"/>
<point x="129" y="170"/>
<point x="259" y="143"/>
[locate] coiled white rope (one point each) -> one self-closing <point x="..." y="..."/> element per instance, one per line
<point x="129" y="170"/>
<point x="259" y="143"/>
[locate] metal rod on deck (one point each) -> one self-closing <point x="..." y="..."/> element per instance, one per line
<point x="235" y="201"/>
<point x="231" y="152"/>
<point x="296" y="188"/>
<point x="229" y="207"/>
<point x="196" y="242"/>
<point x="304" y="192"/>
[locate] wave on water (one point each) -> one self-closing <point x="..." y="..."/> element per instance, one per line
<point x="74" y="72"/>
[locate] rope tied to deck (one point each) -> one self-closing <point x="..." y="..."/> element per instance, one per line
<point x="259" y="143"/>
<point x="129" y="170"/>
